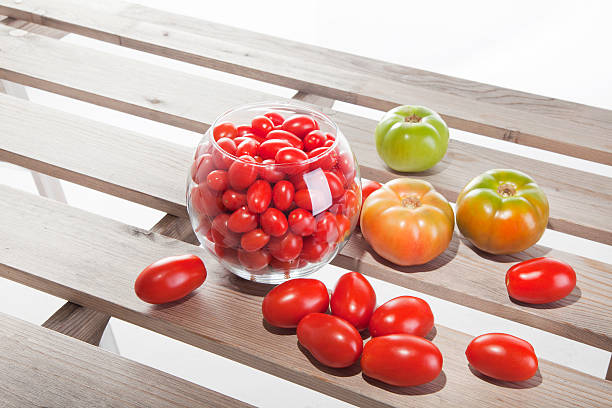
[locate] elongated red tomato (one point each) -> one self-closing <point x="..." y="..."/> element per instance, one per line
<point x="300" y="125"/>
<point x="225" y="129"/>
<point x="314" y="139"/>
<point x="502" y="356"/>
<point x="289" y="302"/>
<point x="402" y="360"/>
<point x="268" y="149"/>
<point x="242" y="220"/>
<point x="242" y="172"/>
<point x="368" y="188"/>
<point x="301" y="222"/>
<point x="276" y="118"/>
<point x="333" y="341"/>
<point x="354" y="300"/>
<point x="254" y="240"/>
<point x="285" y="248"/>
<point x="313" y="250"/>
<point x="274" y="222"/>
<point x="262" y="125"/>
<point x="259" y="196"/>
<point x="540" y="280"/>
<point x="404" y="314"/>
<point x="292" y="159"/>
<point x="170" y="279"/>
<point x="255" y="260"/>
<point x="282" y="195"/>
<point x="284" y="135"/>
<point x="270" y="172"/>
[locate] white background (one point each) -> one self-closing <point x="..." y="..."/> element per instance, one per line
<point x="553" y="48"/>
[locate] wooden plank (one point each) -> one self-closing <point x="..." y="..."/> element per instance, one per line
<point x="78" y="322"/>
<point x="560" y="126"/>
<point x="41" y="368"/>
<point x="177" y="228"/>
<point x="609" y="372"/>
<point x="133" y="87"/>
<point x="134" y="166"/>
<point x="224" y="315"/>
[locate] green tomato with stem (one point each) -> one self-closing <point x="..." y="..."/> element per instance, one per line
<point x="411" y="138"/>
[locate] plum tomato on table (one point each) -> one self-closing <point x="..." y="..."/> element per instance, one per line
<point x="540" y="280"/>
<point x="502" y="356"/>
<point x="407" y="221"/>
<point x="411" y="138"/>
<point x="170" y="279"/>
<point x="332" y="341"/>
<point x="353" y="300"/>
<point x="502" y="211"/>
<point x="402" y="360"/>
<point x="289" y="302"/>
<point x="404" y="314"/>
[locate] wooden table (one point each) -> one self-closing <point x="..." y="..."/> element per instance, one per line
<point x="92" y="261"/>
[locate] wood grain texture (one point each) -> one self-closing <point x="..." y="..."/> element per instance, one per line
<point x="135" y="163"/>
<point x="78" y="322"/>
<point x="533" y="120"/>
<point x="224" y="315"/>
<point x="169" y="96"/>
<point x="41" y="368"/>
<point x="177" y="228"/>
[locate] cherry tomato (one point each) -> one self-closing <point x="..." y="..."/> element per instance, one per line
<point x="217" y="180"/>
<point x="269" y="148"/>
<point x="261" y="125"/>
<point x="404" y="314"/>
<point x="270" y="172"/>
<point x="302" y="199"/>
<point x="327" y="228"/>
<point x="292" y="159"/>
<point x="328" y="143"/>
<point x="301" y="222"/>
<point x="300" y="125"/>
<point x="225" y="129"/>
<point x="540" y="280"/>
<point x="249" y="147"/>
<point x="335" y="185"/>
<point x="206" y="201"/>
<point x="170" y="279"/>
<point x="402" y="360"/>
<point x="314" y="139"/>
<point x="282" y="195"/>
<point x="242" y="173"/>
<point x="313" y="250"/>
<point x="368" y="188"/>
<point x="351" y="206"/>
<point x="254" y="261"/>
<point x="283" y="135"/>
<point x="242" y="220"/>
<point x="222" y="156"/>
<point x="329" y="136"/>
<point x="331" y="340"/>
<point x="353" y="300"/>
<point x="344" y="226"/>
<point x="254" y="240"/>
<point x="346" y="164"/>
<point x="204" y="225"/>
<point x="229" y="254"/>
<point x="285" y="248"/>
<point x="298" y="181"/>
<point x="325" y="158"/>
<point x="502" y="356"/>
<point x="276" y="118"/>
<point x="221" y="234"/>
<point x="274" y="222"/>
<point x="201" y="167"/>
<point x="244" y="130"/>
<point x="259" y="196"/>
<point x="233" y="200"/>
<point x="289" y="302"/>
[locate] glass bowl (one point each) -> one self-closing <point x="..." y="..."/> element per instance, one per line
<point x="269" y="221"/>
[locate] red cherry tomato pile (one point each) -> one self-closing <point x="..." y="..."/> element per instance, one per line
<point x="254" y="192"/>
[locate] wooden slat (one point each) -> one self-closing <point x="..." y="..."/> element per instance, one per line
<point x="224" y="315"/>
<point x="533" y="120"/>
<point x="193" y="102"/>
<point x="134" y="166"/>
<point x="40" y="368"/>
<point x="78" y="322"/>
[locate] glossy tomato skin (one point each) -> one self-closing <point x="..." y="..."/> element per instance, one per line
<point x="242" y="220"/>
<point x="313" y="250"/>
<point x="354" y="300"/>
<point x="290" y="137"/>
<point x="314" y="139"/>
<point x="242" y="172"/>
<point x="274" y="222"/>
<point x="286" y="304"/>
<point x="331" y="340"/>
<point x="502" y="211"/>
<point x="259" y="196"/>
<point x="282" y="195"/>
<point x="201" y="167"/>
<point x="261" y="125"/>
<point x="285" y="248"/>
<point x="276" y="118"/>
<point x="404" y="314"/>
<point x="225" y="129"/>
<point x="170" y="279"/>
<point x="300" y="125"/>
<point x="402" y="360"/>
<point x="325" y="158"/>
<point x="368" y="188"/>
<point x="233" y="200"/>
<point x="502" y="356"/>
<point x="254" y="240"/>
<point x="217" y="180"/>
<point x="269" y="148"/>
<point x="249" y="147"/>
<point x="335" y="185"/>
<point x="269" y="172"/>
<point x="254" y="261"/>
<point x="222" y="157"/>
<point x="326" y="229"/>
<point x="292" y="159"/>
<point x="301" y="222"/>
<point x="540" y="280"/>
<point x="407" y="221"/>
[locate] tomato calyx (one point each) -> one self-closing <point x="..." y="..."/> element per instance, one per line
<point x="412" y="118"/>
<point x="506" y="190"/>
<point x="411" y="202"/>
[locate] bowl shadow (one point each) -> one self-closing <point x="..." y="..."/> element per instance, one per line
<point x="530" y="383"/>
<point x="429" y="388"/>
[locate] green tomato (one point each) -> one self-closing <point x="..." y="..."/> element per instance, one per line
<point x="411" y="138"/>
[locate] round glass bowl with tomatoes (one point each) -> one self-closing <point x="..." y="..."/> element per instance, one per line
<point x="274" y="191"/>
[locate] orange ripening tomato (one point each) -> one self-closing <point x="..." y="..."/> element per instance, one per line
<point x="407" y="221"/>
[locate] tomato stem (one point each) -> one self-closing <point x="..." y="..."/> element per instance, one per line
<point x="412" y="118"/>
<point x="506" y="190"/>
<point x="412" y="201"/>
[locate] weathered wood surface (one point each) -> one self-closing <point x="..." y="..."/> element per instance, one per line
<point x="78" y="322"/>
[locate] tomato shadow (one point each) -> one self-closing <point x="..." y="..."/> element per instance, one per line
<point x="365" y="334"/>
<point x="338" y="372"/>
<point x="432" y="334"/>
<point x="570" y="299"/>
<point x="535" y="251"/>
<point x="277" y="330"/>
<point x="530" y="383"/>
<point x="429" y="388"/>
<point x="176" y="303"/>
